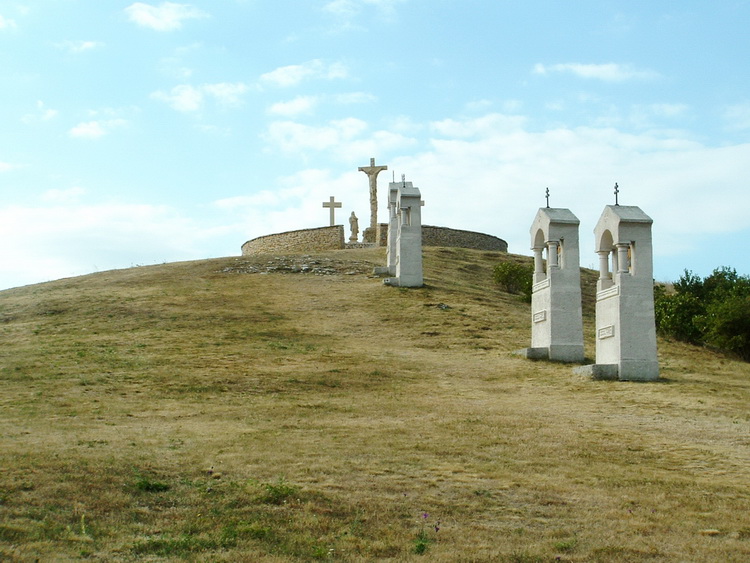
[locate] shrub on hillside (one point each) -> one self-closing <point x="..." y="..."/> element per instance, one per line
<point x="714" y="310"/>
<point x="675" y="315"/>
<point x="726" y="325"/>
<point x="515" y="278"/>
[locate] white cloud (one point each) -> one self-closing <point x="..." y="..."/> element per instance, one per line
<point x="608" y="72"/>
<point x="292" y="75"/>
<point x="648" y="116"/>
<point x="347" y="9"/>
<point x="187" y="98"/>
<point x="7" y="166"/>
<point x="292" y="136"/>
<point x="7" y="23"/>
<point x="226" y="93"/>
<point x="63" y="196"/>
<point x="79" y="46"/>
<point x="355" y="98"/>
<point x="167" y="16"/>
<point x="43" y="114"/>
<point x="738" y="116"/>
<point x="95" y="129"/>
<point x="181" y="98"/>
<point x="487" y="125"/>
<point x="345" y="139"/>
<point x="342" y="8"/>
<point x="668" y="110"/>
<point x="60" y="240"/>
<point x="291" y="108"/>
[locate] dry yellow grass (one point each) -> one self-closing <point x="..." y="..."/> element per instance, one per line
<point x="193" y="411"/>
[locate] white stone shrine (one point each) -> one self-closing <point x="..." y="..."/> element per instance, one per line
<point x="625" y="324"/>
<point x="391" y="250"/>
<point x="404" y="250"/>
<point x="557" y="320"/>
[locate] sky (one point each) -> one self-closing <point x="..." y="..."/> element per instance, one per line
<point x="137" y="133"/>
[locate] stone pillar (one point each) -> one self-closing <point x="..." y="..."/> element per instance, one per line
<point x="625" y="324"/>
<point x="408" y="237"/>
<point x="605" y="278"/>
<point x="556" y="317"/>
<point x="552" y="256"/>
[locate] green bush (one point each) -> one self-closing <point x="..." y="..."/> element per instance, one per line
<point x="515" y="278"/>
<point x="714" y="310"/>
<point x="676" y="314"/>
<point x="726" y="325"/>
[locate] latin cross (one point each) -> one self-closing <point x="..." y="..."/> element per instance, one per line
<point x="332" y="205"/>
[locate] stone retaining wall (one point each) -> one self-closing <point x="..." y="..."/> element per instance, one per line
<point x="305" y="240"/>
<point x="332" y="238"/>
<point x="443" y="236"/>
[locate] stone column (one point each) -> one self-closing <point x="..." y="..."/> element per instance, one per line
<point x="622" y="257"/>
<point x="552" y="261"/>
<point x="538" y="264"/>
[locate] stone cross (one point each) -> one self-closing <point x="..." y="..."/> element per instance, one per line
<point x="332" y="205"/>
<point x="372" y="172"/>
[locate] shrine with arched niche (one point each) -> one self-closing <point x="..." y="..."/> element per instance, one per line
<point x="556" y="319"/>
<point x="625" y="323"/>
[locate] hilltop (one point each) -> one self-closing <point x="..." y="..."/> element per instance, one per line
<point x="275" y="408"/>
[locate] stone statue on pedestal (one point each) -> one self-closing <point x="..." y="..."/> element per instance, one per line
<point x="354" y="225"/>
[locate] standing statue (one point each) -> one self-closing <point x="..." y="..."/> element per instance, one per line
<point x="354" y="225"/>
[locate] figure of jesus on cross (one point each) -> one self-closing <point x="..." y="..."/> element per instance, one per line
<point x="372" y="172"/>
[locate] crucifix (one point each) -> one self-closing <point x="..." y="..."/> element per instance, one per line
<point x="547" y="196"/>
<point x="617" y="191"/>
<point x="332" y="205"/>
<point x="372" y="172"/>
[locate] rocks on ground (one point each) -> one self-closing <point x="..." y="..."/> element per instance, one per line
<point x="299" y="265"/>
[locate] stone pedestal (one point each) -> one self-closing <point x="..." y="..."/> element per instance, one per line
<point x="625" y="324"/>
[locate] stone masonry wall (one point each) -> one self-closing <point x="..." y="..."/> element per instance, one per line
<point x="332" y="238"/>
<point x="305" y="240"/>
<point x="443" y="236"/>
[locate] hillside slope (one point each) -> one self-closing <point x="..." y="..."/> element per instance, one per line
<point x="294" y="408"/>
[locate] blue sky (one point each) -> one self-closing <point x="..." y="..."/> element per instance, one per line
<point x="135" y="133"/>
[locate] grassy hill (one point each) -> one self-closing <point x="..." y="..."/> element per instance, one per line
<point x="276" y="409"/>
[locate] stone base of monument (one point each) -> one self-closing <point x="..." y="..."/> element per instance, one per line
<point x="628" y="371"/>
<point x="560" y="353"/>
<point x="608" y="372"/>
<point x="532" y="353"/>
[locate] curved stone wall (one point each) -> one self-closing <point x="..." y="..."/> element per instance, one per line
<point x="443" y="236"/>
<point x="332" y="238"/>
<point x="305" y="240"/>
